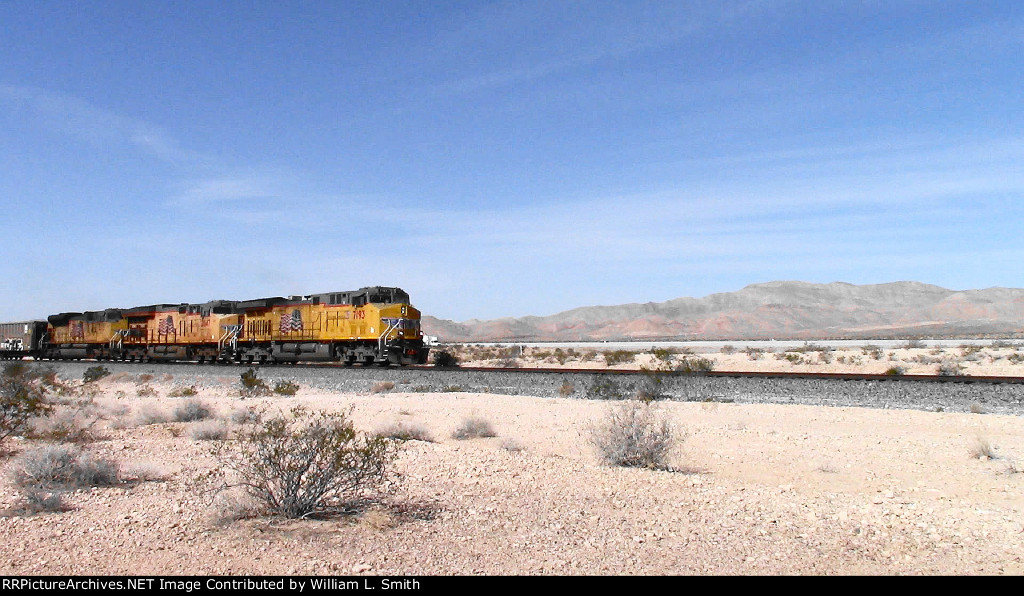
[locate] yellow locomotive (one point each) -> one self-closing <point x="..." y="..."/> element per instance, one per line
<point x="370" y="325"/>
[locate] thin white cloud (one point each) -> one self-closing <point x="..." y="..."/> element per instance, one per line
<point x="75" y="117"/>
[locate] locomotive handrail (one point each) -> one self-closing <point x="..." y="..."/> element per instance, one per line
<point x="382" y="339"/>
<point x="118" y="339"/>
<point x="230" y="335"/>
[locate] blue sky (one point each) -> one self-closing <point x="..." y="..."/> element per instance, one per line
<point x="504" y="158"/>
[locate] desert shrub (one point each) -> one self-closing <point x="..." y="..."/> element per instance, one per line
<point x="143" y="471"/>
<point x="634" y="434"/>
<point x="150" y="414"/>
<point x="728" y="349"/>
<point x="445" y="359"/>
<point x="566" y="389"/>
<point x="651" y="386"/>
<point x="38" y="500"/>
<point x="873" y="351"/>
<point x="192" y="410"/>
<point x="143" y="379"/>
<point x="62" y="466"/>
<point x="252" y="384"/>
<point x="73" y="422"/>
<point x="401" y="431"/>
<point x="211" y="430"/>
<point x="287" y="388"/>
<point x="299" y="463"/>
<point x="23" y="397"/>
<point x="243" y="416"/>
<point x="949" y="368"/>
<point x="695" y="365"/>
<point x="474" y="428"/>
<point x="183" y="391"/>
<point x="619" y="357"/>
<point x="982" y="449"/>
<point x="94" y="373"/>
<point x="382" y="387"/>
<point x="895" y="371"/>
<point x="604" y="388"/>
<point x="754" y="353"/>
<point x="145" y="391"/>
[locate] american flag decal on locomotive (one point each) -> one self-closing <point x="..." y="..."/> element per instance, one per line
<point x="166" y="326"/>
<point x="291" y="323"/>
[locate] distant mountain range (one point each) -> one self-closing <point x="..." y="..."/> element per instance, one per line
<point x="779" y="310"/>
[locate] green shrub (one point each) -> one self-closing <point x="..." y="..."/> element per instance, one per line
<point x="695" y="365"/>
<point x="299" y="463"/>
<point x="95" y="373"/>
<point x="603" y="388"/>
<point x="183" y="391"/>
<point x="619" y="357"/>
<point x="252" y="384"/>
<point x="288" y="388"/>
<point x="23" y="397"/>
<point x="445" y="359"/>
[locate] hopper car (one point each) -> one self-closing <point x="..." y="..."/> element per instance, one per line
<point x="372" y="325"/>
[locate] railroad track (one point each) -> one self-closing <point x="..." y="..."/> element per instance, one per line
<point x="995" y="380"/>
<point x="822" y="376"/>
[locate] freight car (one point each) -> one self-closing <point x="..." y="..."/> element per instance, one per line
<point x="18" y="340"/>
<point x="372" y="325"/>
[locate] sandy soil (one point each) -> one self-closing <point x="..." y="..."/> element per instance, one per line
<point x="759" y="489"/>
<point x="1001" y="358"/>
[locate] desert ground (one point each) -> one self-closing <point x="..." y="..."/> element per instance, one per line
<point x="753" y="488"/>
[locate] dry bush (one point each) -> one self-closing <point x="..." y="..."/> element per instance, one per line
<point x="299" y="463"/>
<point x="636" y="434"/>
<point x="62" y="466"/>
<point x="982" y="449"/>
<point x="474" y="428"/>
<point x="566" y="389"/>
<point x="192" y="410"/>
<point x="405" y="432"/>
<point x="243" y="415"/>
<point x="151" y="414"/>
<point x="73" y="422"/>
<point x="382" y="387"/>
<point x="211" y="430"/>
<point x="143" y="471"/>
<point x="145" y="391"/>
